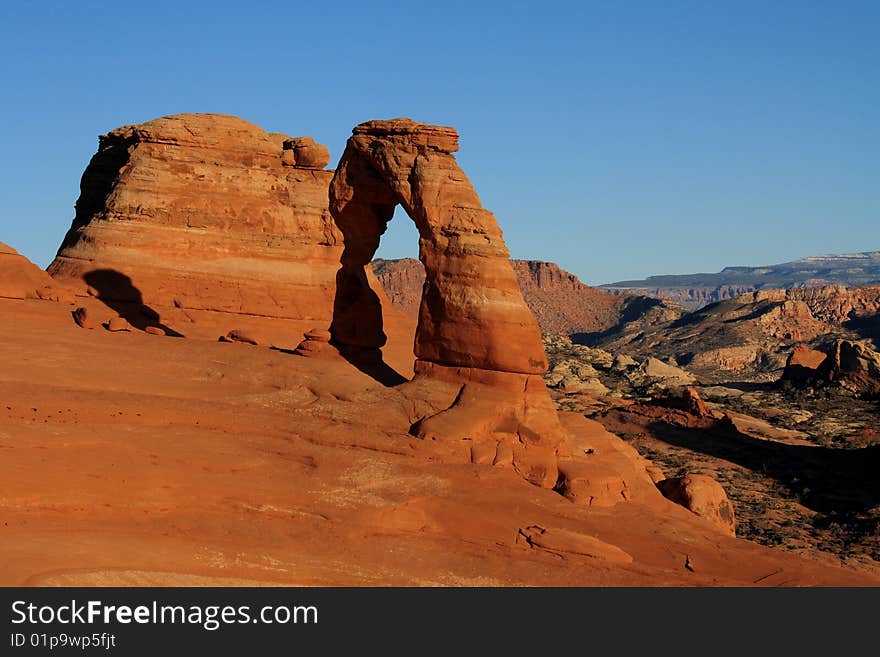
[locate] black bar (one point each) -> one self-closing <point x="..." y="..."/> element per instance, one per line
<point x="413" y="621"/>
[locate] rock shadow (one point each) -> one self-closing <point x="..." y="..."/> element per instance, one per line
<point x="115" y="290"/>
<point x="823" y="479"/>
<point x="357" y="310"/>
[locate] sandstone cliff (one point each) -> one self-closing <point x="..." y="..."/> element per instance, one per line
<point x="205" y="212"/>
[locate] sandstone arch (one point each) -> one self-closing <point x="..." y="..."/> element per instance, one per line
<point x="475" y="331"/>
<point x="472" y="312"/>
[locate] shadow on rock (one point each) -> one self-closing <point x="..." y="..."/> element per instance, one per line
<point x="116" y="291"/>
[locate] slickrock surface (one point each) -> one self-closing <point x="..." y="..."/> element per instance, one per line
<point x="205" y="212"/>
<point x="179" y="462"/>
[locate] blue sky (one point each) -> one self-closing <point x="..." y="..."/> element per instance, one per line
<point x="619" y="139"/>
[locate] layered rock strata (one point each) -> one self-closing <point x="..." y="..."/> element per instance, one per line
<point x="205" y="212"/>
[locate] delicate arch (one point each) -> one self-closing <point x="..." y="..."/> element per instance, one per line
<point x="472" y="313"/>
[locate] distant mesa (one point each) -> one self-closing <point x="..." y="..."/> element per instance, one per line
<point x="698" y="290"/>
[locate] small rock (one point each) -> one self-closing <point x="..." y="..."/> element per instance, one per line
<point x="155" y="330"/>
<point x="118" y="324"/>
<point x="240" y="336"/>
<point x="82" y="319"/>
<point x="318" y="335"/>
<point x="654" y="372"/>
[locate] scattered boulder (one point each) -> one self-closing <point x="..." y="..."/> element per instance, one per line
<point x="573" y="375"/>
<point x="315" y="341"/>
<point x="623" y="363"/>
<point x="318" y="335"/>
<point x="304" y="152"/>
<point x="853" y="366"/>
<point x="82" y="318"/>
<point x="596" y="357"/>
<point x="155" y="330"/>
<point x="592" y="386"/>
<point x="654" y="372"/>
<point x="118" y="324"/>
<point x="703" y="496"/>
<point x="237" y="335"/>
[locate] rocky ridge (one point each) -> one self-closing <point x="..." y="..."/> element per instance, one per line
<point x="752" y="335"/>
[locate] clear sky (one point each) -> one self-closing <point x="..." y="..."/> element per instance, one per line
<point x="619" y="139"/>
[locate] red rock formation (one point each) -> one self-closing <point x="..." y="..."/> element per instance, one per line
<point x="475" y="333"/>
<point x="402" y="281"/>
<point x="685" y="399"/>
<point x="22" y="279"/>
<point x="754" y="334"/>
<point x="854" y="366"/>
<point x="205" y="212"/>
<point x="831" y="304"/>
